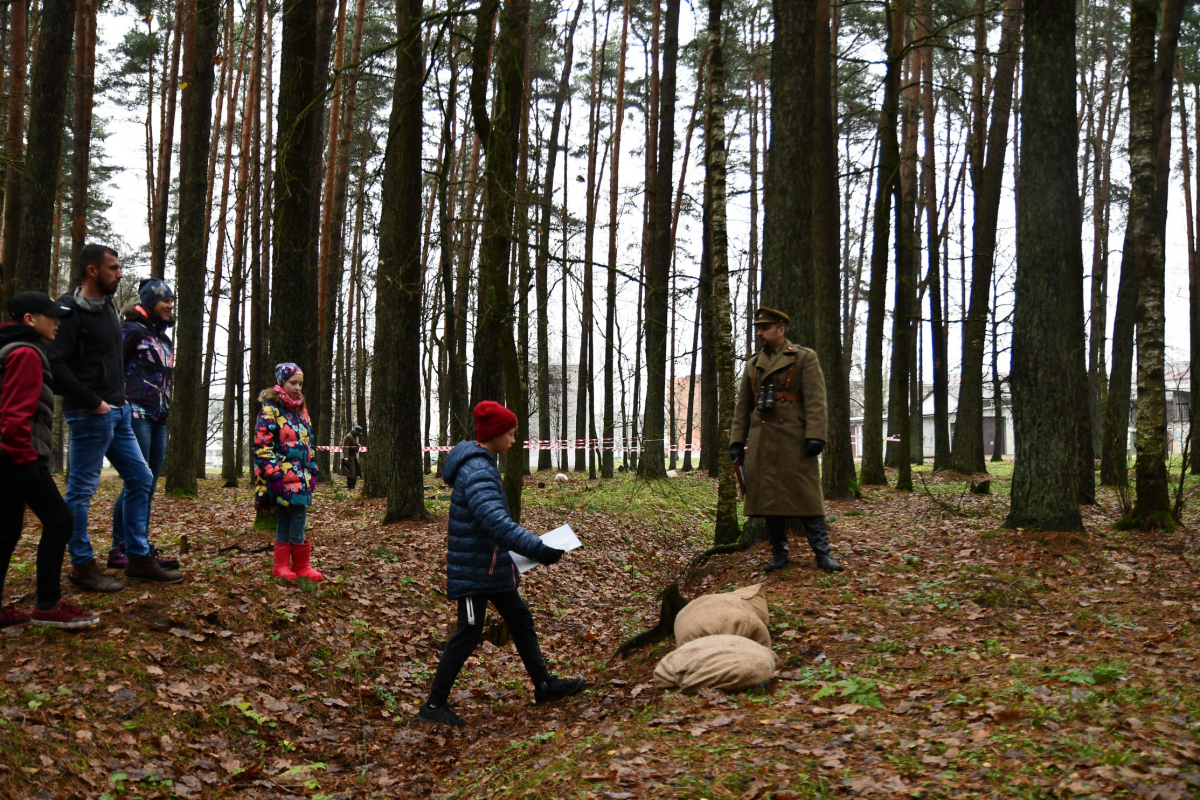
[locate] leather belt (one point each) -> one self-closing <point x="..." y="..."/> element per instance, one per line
<point x="790" y="396"/>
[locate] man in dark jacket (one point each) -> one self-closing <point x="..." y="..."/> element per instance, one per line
<point x="89" y="372"/>
<point x="479" y="568"/>
<point x="26" y="433"/>
<point x="149" y="356"/>
<point x="350" y="456"/>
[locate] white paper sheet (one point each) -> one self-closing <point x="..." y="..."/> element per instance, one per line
<point x="561" y="538"/>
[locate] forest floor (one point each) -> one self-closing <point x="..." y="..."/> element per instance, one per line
<point x="953" y="658"/>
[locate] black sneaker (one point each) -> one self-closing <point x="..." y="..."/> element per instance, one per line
<point x="557" y="688"/>
<point x="442" y="715"/>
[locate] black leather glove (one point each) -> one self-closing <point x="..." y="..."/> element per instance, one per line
<point x="552" y="555"/>
<point x="813" y="447"/>
<point x="737" y="451"/>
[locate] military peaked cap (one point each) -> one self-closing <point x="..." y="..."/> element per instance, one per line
<point x="769" y="316"/>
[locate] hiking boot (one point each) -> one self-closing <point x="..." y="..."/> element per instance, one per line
<point x="65" y="616"/>
<point x="116" y="557"/>
<point x="165" y="563"/>
<point x="10" y="617"/>
<point x="89" y="578"/>
<point x="145" y="568"/>
<point x="283" y="554"/>
<point x="442" y="715"/>
<point x="557" y="688"/>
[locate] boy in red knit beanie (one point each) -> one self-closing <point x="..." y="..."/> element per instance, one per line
<point x="480" y="569"/>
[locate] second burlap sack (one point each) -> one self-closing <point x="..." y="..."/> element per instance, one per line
<point x="742" y="612"/>
<point x="729" y="663"/>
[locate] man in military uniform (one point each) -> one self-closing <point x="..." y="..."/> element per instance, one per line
<point x="778" y="433"/>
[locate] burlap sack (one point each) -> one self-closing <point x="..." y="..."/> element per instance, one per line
<point x="731" y="663"/>
<point x="742" y="612"/>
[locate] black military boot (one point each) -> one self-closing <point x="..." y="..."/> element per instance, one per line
<point x="777" y="530"/>
<point x="817" y="533"/>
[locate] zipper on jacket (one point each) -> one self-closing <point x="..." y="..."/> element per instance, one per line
<point x="495" y="553"/>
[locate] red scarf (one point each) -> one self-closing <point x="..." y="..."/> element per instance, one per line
<point x="289" y="402"/>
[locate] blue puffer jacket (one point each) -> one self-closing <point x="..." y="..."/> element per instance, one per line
<point x="482" y="530"/>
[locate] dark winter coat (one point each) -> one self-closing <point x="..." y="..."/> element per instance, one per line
<point x="149" y="360"/>
<point x="781" y="480"/>
<point x="285" y="471"/>
<point x="350" y="456"/>
<point x="87" y="356"/>
<point x="482" y="530"/>
<point x="26" y="396"/>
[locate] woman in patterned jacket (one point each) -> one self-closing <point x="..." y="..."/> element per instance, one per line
<point x="285" y="470"/>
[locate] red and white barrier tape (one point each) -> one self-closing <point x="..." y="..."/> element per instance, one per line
<point x="616" y="445"/>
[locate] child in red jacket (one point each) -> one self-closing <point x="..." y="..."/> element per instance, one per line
<point x="26" y="433"/>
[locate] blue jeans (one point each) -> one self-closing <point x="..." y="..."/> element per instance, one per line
<point x="152" y="440"/>
<point x="289" y="524"/>
<point x="93" y="438"/>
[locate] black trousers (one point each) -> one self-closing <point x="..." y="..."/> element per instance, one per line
<point x="37" y="490"/>
<point x="469" y="633"/>
<point x="350" y="481"/>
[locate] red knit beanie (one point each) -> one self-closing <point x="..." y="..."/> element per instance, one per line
<point x="492" y="420"/>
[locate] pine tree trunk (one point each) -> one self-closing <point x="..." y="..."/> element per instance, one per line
<point x="260" y="268"/>
<point x="497" y="371"/>
<point x="545" y="456"/>
<point x="610" y="318"/>
<point x="1101" y="205"/>
<point x="333" y="221"/>
<point x="886" y="189"/>
<point x="966" y="454"/>
<point x="194" y="143"/>
<point x="162" y="182"/>
<point x="292" y="328"/>
<point x="395" y="464"/>
<point x="14" y="150"/>
<point x="203" y="422"/>
<point x="230" y="463"/>
<point x="1194" y="316"/>
<point x="39" y="184"/>
<point x="726" y="527"/>
<point x="1049" y="260"/>
<point x="937" y="330"/>
<point x="81" y="126"/>
<point x="652" y="463"/>
<point x="589" y="241"/>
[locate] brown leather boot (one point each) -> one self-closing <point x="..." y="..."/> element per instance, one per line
<point x="89" y="578"/>
<point x="145" y="568"/>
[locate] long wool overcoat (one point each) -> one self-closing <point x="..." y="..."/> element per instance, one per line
<point x="781" y="480"/>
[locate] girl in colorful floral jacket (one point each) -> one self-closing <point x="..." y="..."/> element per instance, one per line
<point x="285" y="470"/>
